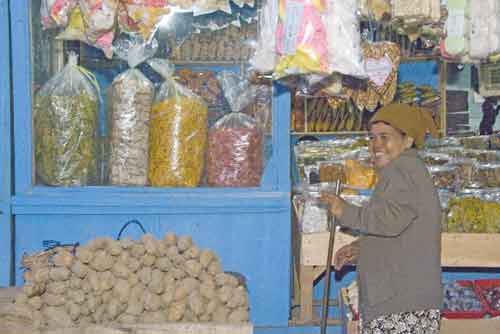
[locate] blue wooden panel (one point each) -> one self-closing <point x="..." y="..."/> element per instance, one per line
<point x="5" y="146"/>
<point x="257" y="246"/>
<point x="420" y="72"/>
<point x="21" y="93"/>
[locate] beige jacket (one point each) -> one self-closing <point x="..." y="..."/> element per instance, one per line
<point x="399" y="267"/>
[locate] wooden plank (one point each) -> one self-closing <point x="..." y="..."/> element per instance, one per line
<point x="315" y="246"/>
<point x="307" y="276"/>
<point x="470" y="250"/>
<point x="468" y="326"/>
<point x="458" y="249"/>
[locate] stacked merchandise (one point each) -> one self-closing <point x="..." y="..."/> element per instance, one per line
<point x="472" y="30"/>
<point x="464" y="170"/>
<point x="320" y="165"/>
<point x="467" y="173"/>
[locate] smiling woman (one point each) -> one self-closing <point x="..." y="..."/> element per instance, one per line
<point x="398" y="253"/>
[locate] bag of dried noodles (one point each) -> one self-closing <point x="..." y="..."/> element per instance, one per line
<point x="65" y="127"/>
<point x="235" y="152"/>
<point x="178" y="133"/>
<point x="130" y="100"/>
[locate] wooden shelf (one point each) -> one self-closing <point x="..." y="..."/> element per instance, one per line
<point x="458" y="249"/>
<point x="329" y="133"/>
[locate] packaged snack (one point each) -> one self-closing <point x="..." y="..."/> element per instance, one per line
<point x="342" y="23"/>
<point x="444" y="177"/>
<point x="178" y="133"/>
<point x="65" y="127"/>
<point x="420" y="11"/>
<point x="143" y="16"/>
<point x="434" y="158"/>
<point x="301" y="38"/>
<point x="359" y="175"/>
<point x="77" y="30"/>
<point x="474" y="213"/>
<point x="482" y="156"/>
<point x="331" y="171"/>
<point x="130" y="100"/>
<point x="235" y="152"/>
<point x="466" y="169"/>
<point x="456" y="23"/>
<point x="486" y="176"/>
<point x="381" y="61"/>
<point x="475" y="142"/>
<point x="495" y="141"/>
<point x="264" y="58"/>
<point x="55" y="13"/>
<point x="99" y="17"/>
<point x="314" y="217"/>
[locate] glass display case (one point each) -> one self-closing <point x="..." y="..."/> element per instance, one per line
<point x="142" y="95"/>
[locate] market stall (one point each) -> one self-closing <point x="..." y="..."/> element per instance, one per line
<point x="214" y="126"/>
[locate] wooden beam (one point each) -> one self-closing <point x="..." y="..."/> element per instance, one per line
<point x="458" y="249"/>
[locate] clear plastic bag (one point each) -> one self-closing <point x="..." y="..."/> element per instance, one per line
<point x="55" y="13"/>
<point x="77" y="30"/>
<point x="99" y="17"/>
<point x="143" y="16"/>
<point x="475" y="211"/>
<point x="343" y="30"/>
<point x="301" y="38"/>
<point x="65" y="127"/>
<point x="486" y="175"/>
<point x="203" y="7"/>
<point x="360" y="175"/>
<point x="130" y="100"/>
<point x="445" y="177"/>
<point x="264" y="58"/>
<point x="178" y="133"/>
<point x="235" y="152"/>
<point x="239" y="92"/>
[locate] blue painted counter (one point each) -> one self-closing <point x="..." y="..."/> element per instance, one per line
<point x="255" y="244"/>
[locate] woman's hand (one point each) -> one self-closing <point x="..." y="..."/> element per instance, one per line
<point x="335" y="203"/>
<point x="346" y="255"/>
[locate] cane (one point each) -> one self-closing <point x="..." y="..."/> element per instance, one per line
<point x="331" y="241"/>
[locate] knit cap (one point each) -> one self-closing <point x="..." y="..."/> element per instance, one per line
<point x="414" y="121"/>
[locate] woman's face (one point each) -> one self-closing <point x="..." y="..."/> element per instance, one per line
<point x="386" y="143"/>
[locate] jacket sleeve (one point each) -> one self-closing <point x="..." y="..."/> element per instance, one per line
<point x="391" y="210"/>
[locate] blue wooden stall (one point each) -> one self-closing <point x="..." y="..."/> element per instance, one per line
<point x="5" y="148"/>
<point x="249" y="228"/>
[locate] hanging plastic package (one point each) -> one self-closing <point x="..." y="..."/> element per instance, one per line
<point x="238" y="91"/>
<point x="178" y="133"/>
<point x="301" y="38"/>
<point x="55" y="13"/>
<point x="77" y="31"/>
<point x="381" y="64"/>
<point x="235" y="147"/>
<point x="375" y="9"/>
<point x="65" y="127"/>
<point x="251" y="99"/>
<point x="264" y="58"/>
<point x="142" y="16"/>
<point x="417" y="11"/>
<point x="485" y="29"/>
<point x="455" y="43"/>
<point x="343" y="29"/>
<point x="99" y="17"/>
<point x="130" y="100"/>
<point x="203" y="7"/>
